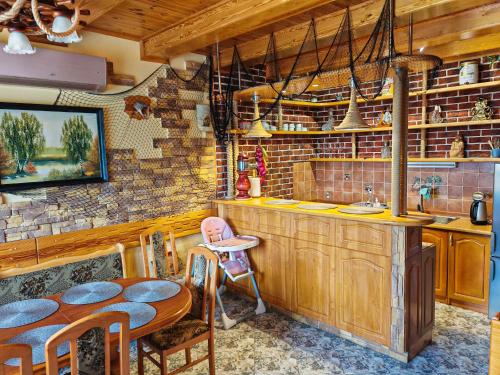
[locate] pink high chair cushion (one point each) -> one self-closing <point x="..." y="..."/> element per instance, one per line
<point x="215" y="229"/>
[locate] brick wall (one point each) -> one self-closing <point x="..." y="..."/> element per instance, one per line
<point x="284" y="151"/>
<point x="181" y="179"/>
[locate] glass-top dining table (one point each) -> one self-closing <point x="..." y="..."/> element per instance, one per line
<point x="166" y="311"/>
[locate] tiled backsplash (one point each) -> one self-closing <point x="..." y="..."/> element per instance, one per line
<point x="346" y="181"/>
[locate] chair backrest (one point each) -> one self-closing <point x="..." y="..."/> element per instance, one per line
<point x="201" y="279"/>
<point x="74" y="331"/>
<point x="56" y="275"/>
<point x="215" y="229"/>
<point x="13" y="351"/>
<point x="495" y="346"/>
<point x="156" y="261"/>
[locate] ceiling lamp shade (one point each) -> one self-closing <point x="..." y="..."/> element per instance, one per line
<point x="352" y="119"/>
<point x="257" y="129"/>
<point x="61" y="24"/>
<point x="18" y="44"/>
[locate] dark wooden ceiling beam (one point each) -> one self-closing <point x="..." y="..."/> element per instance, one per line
<point x="224" y="20"/>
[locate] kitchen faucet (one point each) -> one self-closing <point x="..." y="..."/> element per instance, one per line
<point x="370" y="192"/>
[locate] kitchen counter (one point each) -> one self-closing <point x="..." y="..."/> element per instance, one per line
<point x="464" y="225"/>
<point x="367" y="278"/>
<point x="382" y="218"/>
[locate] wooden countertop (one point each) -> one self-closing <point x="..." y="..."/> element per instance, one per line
<point x="382" y="218"/>
<point x="463" y="224"/>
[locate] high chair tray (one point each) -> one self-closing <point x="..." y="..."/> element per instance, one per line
<point x="234" y="244"/>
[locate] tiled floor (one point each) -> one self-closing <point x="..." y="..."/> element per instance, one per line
<point x="275" y="344"/>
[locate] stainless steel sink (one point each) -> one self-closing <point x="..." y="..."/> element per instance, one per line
<point x="366" y="204"/>
<point x="444" y="219"/>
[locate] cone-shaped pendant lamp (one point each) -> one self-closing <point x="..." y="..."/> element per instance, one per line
<point x="257" y="129"/>
<point x="352" y="119"/>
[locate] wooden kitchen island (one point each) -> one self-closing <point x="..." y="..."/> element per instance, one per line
<point x="363" y="277"/>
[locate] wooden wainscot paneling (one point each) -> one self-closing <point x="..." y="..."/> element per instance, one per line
<point x="360" y="236"/>
<point x="314" y="291"/>
<point x="468" y="270"/>
<point x="237" y="217"/>
<point x="314" y="229"/>
<point x="363" y="294"/>
<point x="440" y="240"/>
<point x="18" y="254"/>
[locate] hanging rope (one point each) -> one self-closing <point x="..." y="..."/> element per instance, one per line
<point x="47" y="30"/>
<point x="13" y="11"/>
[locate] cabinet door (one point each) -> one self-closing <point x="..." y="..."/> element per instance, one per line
<point x="314" y="270"/>
<point x="468" y="270"/>
<point x="271" y="264"/>
<point x="440" y="240"/>
<point x="363" y="294"/>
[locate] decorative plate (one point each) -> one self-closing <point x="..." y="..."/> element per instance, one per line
<point x="317" y="206"/>
<point x="140" y="314"/>
<point x="21" y="313"/>
<point x="37" y="338"/>
<point x="151" y="291"/>
<point x="91" y="293"/>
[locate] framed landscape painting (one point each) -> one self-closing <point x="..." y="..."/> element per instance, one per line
<point x="50" y="145"/>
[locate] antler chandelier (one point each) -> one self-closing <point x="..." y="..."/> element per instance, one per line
<point x="52" y="18"/>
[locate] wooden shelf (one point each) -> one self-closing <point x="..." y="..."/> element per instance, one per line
<point x="420" y="160"/>
<point x="378" y="129"/>
<point x="303" y="103"/>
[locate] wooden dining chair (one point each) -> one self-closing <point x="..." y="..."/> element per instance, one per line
<point x="13" y="351"/>
<point x="196" y="327"/>
<point x="76" y="330"/>
<point x="159" y="260"/>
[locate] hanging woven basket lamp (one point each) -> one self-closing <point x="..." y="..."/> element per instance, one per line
<point x="257" y="129"/>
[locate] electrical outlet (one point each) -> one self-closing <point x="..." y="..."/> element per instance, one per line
<point x="347" y="177"/>
<point x="328" y="195"/>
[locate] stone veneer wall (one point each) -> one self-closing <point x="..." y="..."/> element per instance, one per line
<point x="180" y="179"/>
<point x="285" y="150"/>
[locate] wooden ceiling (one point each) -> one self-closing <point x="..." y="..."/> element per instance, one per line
<point x="450" y="29"/>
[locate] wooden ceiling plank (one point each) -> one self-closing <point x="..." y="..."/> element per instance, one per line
<point x="98" y="8"/>
<point x="224" y="20"/>
<point x="362" y="15"/>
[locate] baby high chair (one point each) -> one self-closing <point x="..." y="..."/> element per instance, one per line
<point x="230" y="249"/>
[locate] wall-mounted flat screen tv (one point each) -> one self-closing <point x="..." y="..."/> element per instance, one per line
<point x="44" y="145"/>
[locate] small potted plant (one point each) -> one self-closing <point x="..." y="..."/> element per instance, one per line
<point x="495" y="148"/>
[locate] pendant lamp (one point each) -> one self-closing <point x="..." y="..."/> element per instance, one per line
<point x="61" y="24"/>
<point x="352" y="119"/>
<point x="257" y="129"/>
<point x="18" y="44"/>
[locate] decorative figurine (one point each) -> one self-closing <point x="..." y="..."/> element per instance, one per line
<point x="385" y="119"/>
<point x="436" y="117"/>
<point x="327" y="126"/>
<point x="457" y="147"/>
<point x="386" y="151"/>
<point x="481" y="110"/>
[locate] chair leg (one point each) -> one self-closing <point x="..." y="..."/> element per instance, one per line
<point x="163" y="364"/>
<point x="140" y="357"/>
<point x="211" y="354"/>
<point x="188" y="356"/>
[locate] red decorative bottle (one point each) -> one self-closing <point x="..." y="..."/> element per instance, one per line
<point x="243" y="183"/>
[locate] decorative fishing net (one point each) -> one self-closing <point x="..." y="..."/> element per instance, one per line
<point x="153" y="161"/>
<point x="324" y="63"/>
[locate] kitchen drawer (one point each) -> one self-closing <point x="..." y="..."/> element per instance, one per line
<point x="365" y="237"/>
<point x="18" y="254"/>
<point x="314" y="229"/>
<point x="266" y="221"/>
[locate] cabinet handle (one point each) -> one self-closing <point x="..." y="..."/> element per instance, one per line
<point x="450" y="240"/>
<point x="493" y="270"/>
<point x="493" y="243"/>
